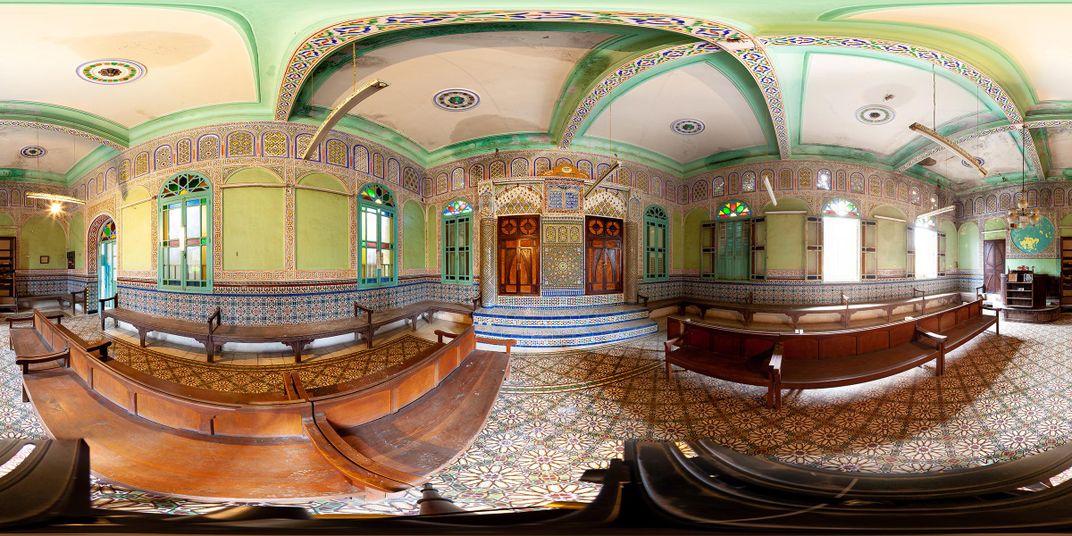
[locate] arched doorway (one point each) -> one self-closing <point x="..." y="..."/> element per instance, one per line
<point x="106" y="260"/>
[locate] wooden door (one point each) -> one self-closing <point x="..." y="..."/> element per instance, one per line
<point x="993" y="265"/>
<point x="7" y="267"/>
<point x="519" y="255"/>
<point x="603" y="255"/>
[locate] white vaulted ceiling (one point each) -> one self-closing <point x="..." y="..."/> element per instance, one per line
<point x="192" y="59"/>
<point x="518" y="75"/>
<point x="63" y="150"/>
<point x="643" y="115"/>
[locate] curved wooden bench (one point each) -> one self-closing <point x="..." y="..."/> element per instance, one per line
<point x="213" y="333"/>
<point x="50" y="482"/>
<point x="748" y="309"/>
<point x="822" y="359"/>
<point x="174" y="443"/>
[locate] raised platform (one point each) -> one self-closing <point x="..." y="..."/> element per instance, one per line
<point x="536" y="328"/>
<point x="1043" y="315"/>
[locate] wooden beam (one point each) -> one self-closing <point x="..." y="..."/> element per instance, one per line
<point x="341" y="109"/>
<point x="617" y="164"/>
<point x="948" y="144"/>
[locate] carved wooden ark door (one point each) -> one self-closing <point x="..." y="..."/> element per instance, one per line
<point x="603" y="255"/>
<point x="519" y="255"/>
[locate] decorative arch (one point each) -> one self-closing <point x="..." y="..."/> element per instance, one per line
<point x="841" y="207"/>
<point x="734" y="209"/>
<point x="522" y="199"/>
<point x="184" y="202"/>
<point x="377" y="231"/>
<point x="605" y="203"/>
<point x="656" y="244"/>
<point x="93" y="239"/>
<point x="457" y="258"/>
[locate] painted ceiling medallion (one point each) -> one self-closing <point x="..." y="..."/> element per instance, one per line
<point x="111" y="71"/>
<point x="978" y="159"/>
<point x="32" y="151"/>
<point x="456" y="99"/>
<point x="687" y="127"/>
<point x="875" y="114"/>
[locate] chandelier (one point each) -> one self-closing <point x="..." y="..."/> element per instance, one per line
<point x="1020" y="216"/>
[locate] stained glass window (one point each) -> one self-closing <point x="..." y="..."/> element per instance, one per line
<point x="184" y="184"/>
<point x="457" y="208"/>
<point x="718" y="187"/>
<point x="185" y="257"/>
<point x="822" y="181"/>
<point x="734" y="209"/>
<point x="457" y="242"/>
<point x="107" y="231"/>
<point x="748" y="182"/>
<point x="377" y="194"/>
<point x="656" y="228"/>
<point x="925" y="222"/>
<point x="376" y="232"/>
<point x="841" y="207"/>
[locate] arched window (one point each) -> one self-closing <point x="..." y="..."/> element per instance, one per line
<point x="841" y="241"/>
<point x="823" y="180"/>
<point x="376" y="229"/>
<point x="925" y="239"/>
<point x="656" y="228"/>
<point x="725" y="247"/>
<point x="185" y="257"/>
<point x="457" y="242"/>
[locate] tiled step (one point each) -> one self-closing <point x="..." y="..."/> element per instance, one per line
<point x="565" y="317"/>
<point x="573" y="336"/>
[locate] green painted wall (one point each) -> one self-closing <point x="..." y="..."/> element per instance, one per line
<point x="42" y="235"/>
<point x="322" y="224"/>
<point x="434" y="228"/>
<point x="891" y="245"/>
<point x="677" y="243"/>
<point x="8" y="227"/>
<point x="693" y="221"/>
<point x="254" y="222"/>
<point x="1050" y="266"/>
<point x="952" y="250"/>
<point x="1066" y="225"/>
<point x="76" y="239"/>
<point x="785" y="235"/>
<point x="413" y="238"/>
<point x="136" y="240"/>
<point x="968" y="247"/>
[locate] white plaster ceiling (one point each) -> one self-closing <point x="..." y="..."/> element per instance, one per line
<point x="1000" y="153"/>
<point x="192" y="59"/>
<point x="1060" y="141"/>
<point x="838" y="85"/>
<point x="518" y="75"/>
<point x="63" y="150"/>
<point x="1031" y="34"/>
<point x="643" y="115"/>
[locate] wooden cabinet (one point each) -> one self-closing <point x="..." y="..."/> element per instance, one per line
<point x="1025" y="290"/>
<point x="7" y="273"/>
<point x="1066" y="270"/>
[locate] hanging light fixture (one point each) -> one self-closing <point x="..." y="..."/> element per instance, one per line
<point x="1020" y="216"/>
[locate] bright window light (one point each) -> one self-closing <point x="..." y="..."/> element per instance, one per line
<point x="926" y="253"/>
<point x="841" y="249"/>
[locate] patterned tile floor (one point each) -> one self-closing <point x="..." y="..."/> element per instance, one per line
<point x="1002" y="397"/>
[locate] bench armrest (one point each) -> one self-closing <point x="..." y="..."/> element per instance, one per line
<point x="358" y="309"/>
<point x="844" y="299"/>
<point x="940" y="339"/>
<point x="114" y="299"/>
<point x="476" y="303"/>
<point x="99" y="345"/>
<point x="218" y="317"/>
<point x="775" y="363"/>
<point x="508" y="343"/>
<point x="440" y="334"/>
<point x="27" y="360"/>
<point x="642" y="298"/>
<point x="671" y="343"/>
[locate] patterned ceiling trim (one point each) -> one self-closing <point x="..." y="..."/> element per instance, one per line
<point x="1032" y="154"/>
<point x="622" y="74"/>
<point x="934" y="57"/>
<point x="323" y="43"/>
<point x="65" y="130"/>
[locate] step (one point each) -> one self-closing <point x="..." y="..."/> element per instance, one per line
<point x="547" y="337"/>
<point x="535" y="316"/>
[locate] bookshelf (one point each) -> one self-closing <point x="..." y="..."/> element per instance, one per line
<point x="1025" y="290"/>
<point x="1066" y="270"/>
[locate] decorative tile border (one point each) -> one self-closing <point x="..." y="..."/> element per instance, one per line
<point x="559" y="301"/>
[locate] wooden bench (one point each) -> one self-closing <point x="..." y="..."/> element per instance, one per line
<point x="38" y="347"/>
<point x="390" y="430"/>
<point x="821" y="359"/>
<point x="747" y="310"/>
<point x="58" y="316"/>
<point x="61" y="298"/>
<point x="213" y="333"/>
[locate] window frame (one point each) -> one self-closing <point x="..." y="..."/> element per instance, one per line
<point x="653" y="218"/>
<point x="388" y="207"/>
<point x="827" y="211"/>
<point x="720" y="243"/>
<point x="466" y="218"/>
<point x="206" y="233"/>
<point x="926" y="225"/>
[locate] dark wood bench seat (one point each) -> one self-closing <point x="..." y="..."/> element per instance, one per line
<point x="38" y="347"/>
<point x="819" y="360"/>
<point x="213" y="333"/>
